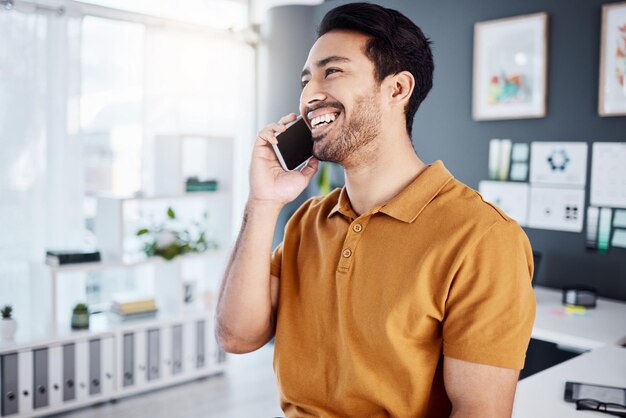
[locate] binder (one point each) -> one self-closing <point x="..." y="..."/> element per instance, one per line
<point x="200" y="344"/>
<point x="82" y="369"/>
<point x="154" y="357"/>
<point x="140" y="358"/>
<point x="108" y="365"/>
<point x="166" y="351"/>
<point x="69" y="372"/>
<point x="95" y="378"/>
<point x="189" y="347"/>
<point x="128" y="366"/>
<point x="25" y="384"/>
<point x="177" y="349"/>
<point x="9" y="404"/>
<point x="41" y="378"/>
<point x="55" y="368"/>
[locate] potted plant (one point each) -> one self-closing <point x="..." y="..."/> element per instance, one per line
<point x="80" y="316"/>
<point x="7" y="323"/>
<point x="172" y="238"/>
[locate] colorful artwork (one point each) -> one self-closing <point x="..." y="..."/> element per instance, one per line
<point x="510" y="68"/>
<point x="508" y="89"/>
<point x="612" y="90"/>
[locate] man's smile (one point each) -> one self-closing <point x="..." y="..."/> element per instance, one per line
<point x="321" y="120"/>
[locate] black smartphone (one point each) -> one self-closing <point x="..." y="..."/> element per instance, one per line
<point x="607" y="394"/>
<point x="295" y="145"/>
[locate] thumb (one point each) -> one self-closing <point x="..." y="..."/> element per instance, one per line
<point x="310" y="169"/>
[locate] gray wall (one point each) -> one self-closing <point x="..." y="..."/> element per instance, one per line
<point x="443" y="127"/>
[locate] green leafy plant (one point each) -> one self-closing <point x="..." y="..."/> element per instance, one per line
<point x="81" y="308"/>
<point x="173" y="239"/>
<point x="6" y="311"/>
<point x="80" y="316"/>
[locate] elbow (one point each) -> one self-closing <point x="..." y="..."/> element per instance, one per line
<point x="233" y="344"/>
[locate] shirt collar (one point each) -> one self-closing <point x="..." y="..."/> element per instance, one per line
<point x="409" y="203"/>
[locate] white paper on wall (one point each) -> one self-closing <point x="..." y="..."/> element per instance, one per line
<point x="556" y="209"/>
<point x="558" y="163"/>
<point x="511" y="198"/>
<point x="608" y="174"/>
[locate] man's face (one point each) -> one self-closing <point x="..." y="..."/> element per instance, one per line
<point x="340" y="96"/>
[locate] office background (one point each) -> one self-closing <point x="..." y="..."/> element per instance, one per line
<point x="444" y="129"/>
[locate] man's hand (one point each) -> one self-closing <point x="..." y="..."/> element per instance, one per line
<point x="479" y="391"/>
<point x="269" y="183"/>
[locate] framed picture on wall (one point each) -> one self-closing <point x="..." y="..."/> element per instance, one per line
<point x="510" y="68"/>
<point x="612" y="90"/>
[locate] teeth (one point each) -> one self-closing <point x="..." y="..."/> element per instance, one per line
<point x="327" y="118"/>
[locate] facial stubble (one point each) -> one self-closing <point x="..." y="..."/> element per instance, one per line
<point x="356" y="133"/>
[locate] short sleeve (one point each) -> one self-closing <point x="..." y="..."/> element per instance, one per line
<point x="490" y="309"/>
<point x="276" y="260"/>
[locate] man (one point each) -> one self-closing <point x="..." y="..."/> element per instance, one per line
<point x="403" y="294"/>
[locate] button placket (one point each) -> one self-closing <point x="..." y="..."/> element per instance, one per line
<point x="353" y="236"/>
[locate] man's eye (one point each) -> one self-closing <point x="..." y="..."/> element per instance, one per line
<point x="330" y="71"/>
<point x="303" y="83"/>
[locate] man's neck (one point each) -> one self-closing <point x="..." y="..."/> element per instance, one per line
<point x="391" y="165"/>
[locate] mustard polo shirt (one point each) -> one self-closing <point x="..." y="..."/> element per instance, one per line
<point x="369" y="304"/>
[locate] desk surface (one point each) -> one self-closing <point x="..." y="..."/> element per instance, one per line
<point x="541" y="395"/>
<point x="598" y="327"/>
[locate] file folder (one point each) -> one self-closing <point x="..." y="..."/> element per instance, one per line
<point x="9" y="384"/>
<point x="41" y="378"/>
<point x="69" y="372"/>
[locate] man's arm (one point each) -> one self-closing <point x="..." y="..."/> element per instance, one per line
<point x="246" y="307"/>
<point x="479" y="391"/>
<point x="248" y="294"/>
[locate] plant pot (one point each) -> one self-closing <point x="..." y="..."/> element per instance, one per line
<point x="80" y="321"/>
<point x="8" y="327"/>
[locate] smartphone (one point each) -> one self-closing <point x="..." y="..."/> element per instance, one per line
<point x="607" y="394"/>
<point x="295" y="145"/>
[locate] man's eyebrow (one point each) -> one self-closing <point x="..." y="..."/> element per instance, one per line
<point x="324" y="62"/>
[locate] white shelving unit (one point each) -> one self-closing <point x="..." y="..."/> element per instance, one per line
<point x="50" y="368"/>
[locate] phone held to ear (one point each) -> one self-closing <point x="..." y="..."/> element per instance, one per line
<point x="295" y="146"/>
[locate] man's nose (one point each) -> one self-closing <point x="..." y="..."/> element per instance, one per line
<point x="311" y="94"/>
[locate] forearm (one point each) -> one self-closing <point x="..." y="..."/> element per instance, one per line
<point x="245" y="318"/>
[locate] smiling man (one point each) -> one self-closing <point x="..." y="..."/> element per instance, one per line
<point x="402" y="294"/>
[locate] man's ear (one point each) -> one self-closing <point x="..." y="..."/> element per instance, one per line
<point x="401" y="86"/>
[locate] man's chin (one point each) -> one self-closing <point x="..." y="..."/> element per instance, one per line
<point x="324" y="154"/>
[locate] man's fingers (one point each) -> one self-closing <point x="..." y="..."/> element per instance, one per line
<point x="287" y="118"/>
<point x="276" y="127"/>
<point x="310" y="169"/>
<point x="267" y="136"/>
<point x="269" y="132"/>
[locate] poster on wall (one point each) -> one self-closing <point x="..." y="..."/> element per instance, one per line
<point x="612" y="90"/>
<point x="556" y="209"/>
<point x="558" y="163"/>
<point x="608" y="174"/>
<point x="510" y="66"/>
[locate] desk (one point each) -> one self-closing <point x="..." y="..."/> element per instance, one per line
<point x="601" y="326"/>
<point x="541" y="395"/>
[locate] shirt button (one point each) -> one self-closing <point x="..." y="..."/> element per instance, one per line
<point x="347" y="253"/>
<point x="357" y="228"/>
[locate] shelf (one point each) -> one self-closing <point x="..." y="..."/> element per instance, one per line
<point x="126" y="263"/>
<point x="189" y="195"/>
<point x="100" y="324"/>
<point x="108" y="322"/>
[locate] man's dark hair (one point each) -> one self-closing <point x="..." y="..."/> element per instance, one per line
<point x="396" y="44"/>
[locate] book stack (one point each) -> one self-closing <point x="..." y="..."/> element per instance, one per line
<point x="58" y="258"/>
<point x="193" y="184"/>
<point x="133" y="306"/>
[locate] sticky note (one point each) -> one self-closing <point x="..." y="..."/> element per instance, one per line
<point x="520" y="152"/>
<point x="619" y="220"/>
<point x="619" y="238"/>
